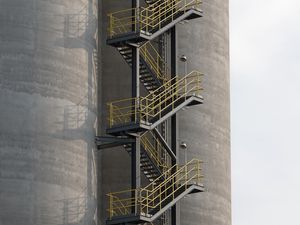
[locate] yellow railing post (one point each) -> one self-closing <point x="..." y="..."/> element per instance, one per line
<point x="159" y="16"/>
<point x="135" y="110"/>
<point x="199" y="83"/>
<point x="110" y="115"/>
<point x="110" y="24"/>
<point x="110" y="206"/>
<point x="147" y="111"/>
<point x="198" y="172"/>
<point x="147" y="201"/>
<point x="157" y="64"/>
<point x="160" y="194"/>
<point x="173" y="187"/>
<point x="139" y="201"/>
<point x="186" y="176"/>
<point x="185" y="87"/>
<point x="147" y="20"/>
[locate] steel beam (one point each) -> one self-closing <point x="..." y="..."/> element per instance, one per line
<point x="103" y="142"/>
<point x="174" y="117"/>
<point x="164" y="143"/>
<point x="135" y="93"/>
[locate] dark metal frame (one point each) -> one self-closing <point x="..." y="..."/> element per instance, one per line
<point x="174" y="126"/>
<point x="135" y="93"/>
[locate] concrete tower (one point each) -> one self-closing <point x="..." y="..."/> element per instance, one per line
<point x="48" y="112"/>
<point x="205" y="129"/>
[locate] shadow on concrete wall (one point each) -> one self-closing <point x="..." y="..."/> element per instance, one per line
<point x="69" y="211"/>
<point x="80" y="32"/>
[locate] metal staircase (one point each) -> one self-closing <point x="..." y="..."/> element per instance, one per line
<point x="146" y="23"/>
<point x="153" y="69"/>
<point x="146" y="113"/>
<point x="155" y="158"/>
<point x="141" y="123"/>
<point x="152" y="201"/>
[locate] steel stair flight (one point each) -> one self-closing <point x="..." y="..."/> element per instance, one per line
<point x="154" y="71"/>
<point x="153" y="200"/>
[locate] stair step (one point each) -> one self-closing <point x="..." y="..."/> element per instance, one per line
<point x="126" y="55"/>
<point x="149" y="84"/>
<point x="142" y="72"/>
<point x="147" y="76"/>
<point x="152" y="176"/>
<point x="148" y="167"/>
<point x="149" y="81"/>
<point x="151" y="170"/>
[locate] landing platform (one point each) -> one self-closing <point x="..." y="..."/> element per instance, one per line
<point x="141" y="219"/>
<point x="124" y="129"/>
<point x="142" y="36"/>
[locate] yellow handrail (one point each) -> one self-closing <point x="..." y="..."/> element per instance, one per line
<point x="149" y="18"/>
<point x="152" y="106"/>
<point x="156" y="195"/>
<point x="156" y="151"/>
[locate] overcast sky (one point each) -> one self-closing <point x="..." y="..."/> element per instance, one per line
<point x="265" y="111"/>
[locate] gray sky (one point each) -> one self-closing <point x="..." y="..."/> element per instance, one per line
<point x="265" y="104"/>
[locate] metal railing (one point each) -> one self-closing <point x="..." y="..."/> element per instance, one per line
<point x="148" y="19"/>
<point x="156" y="63"/>
<point x="156" y="151"/>
<point x="153" y="107"/>
<point x="152" y="198"/>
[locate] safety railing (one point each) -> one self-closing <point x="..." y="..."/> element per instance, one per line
<point x="156" y="151"/>
<point x="153" y="107"/>
<point x="156" y="63"/>
<point x="119" y="206"/>
<point x="148" y="19"/>
<point x="152" y="198"/>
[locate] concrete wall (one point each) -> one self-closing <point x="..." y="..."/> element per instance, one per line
<point x="204" y="128"/>
<point x="48" y="112"/>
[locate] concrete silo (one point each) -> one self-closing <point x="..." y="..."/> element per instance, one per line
<point x="150" y="56"/>
<point x="197" y="42"/>
<point x="48" y="112"/>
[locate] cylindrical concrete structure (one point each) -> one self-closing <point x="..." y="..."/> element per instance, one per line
<point x="48" y="112"/>
<point x="206" y="128"/>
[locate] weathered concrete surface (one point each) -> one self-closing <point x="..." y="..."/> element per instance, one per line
<point x="115" y="84"/>
<point x="48" y="112"/>
<point x="206" y="128"/>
